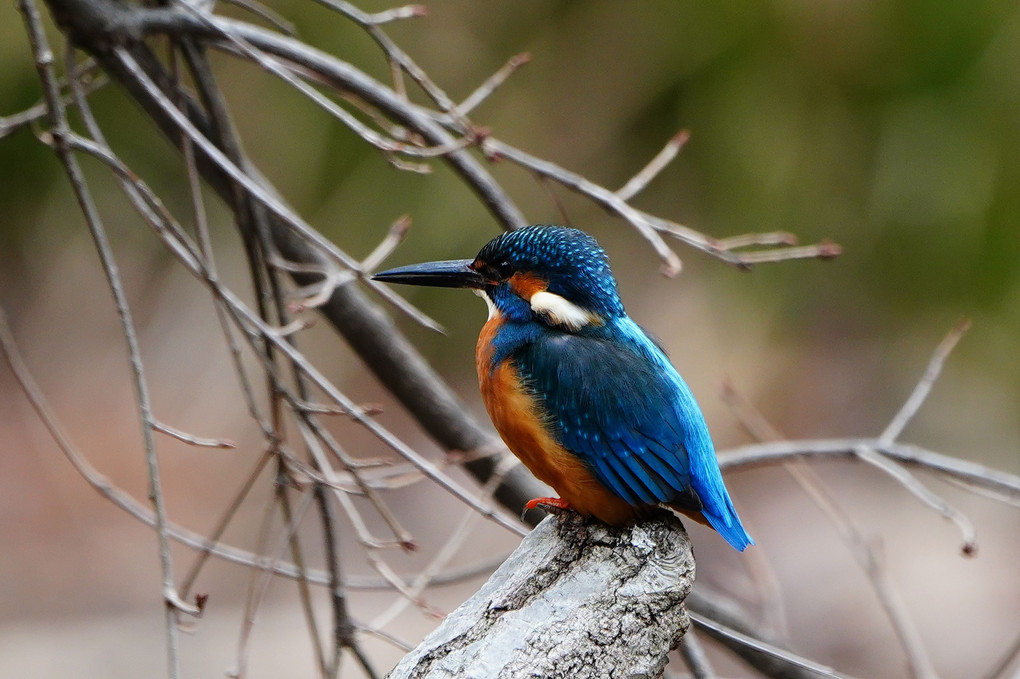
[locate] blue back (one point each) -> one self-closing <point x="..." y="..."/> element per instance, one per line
<point x="614" y="400"/>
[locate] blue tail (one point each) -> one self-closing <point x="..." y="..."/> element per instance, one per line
<point x="729" y="526"/>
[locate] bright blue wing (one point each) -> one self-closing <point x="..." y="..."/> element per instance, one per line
<point x="617" y="403"/>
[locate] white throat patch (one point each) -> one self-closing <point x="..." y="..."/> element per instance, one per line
<point x="561" y="311"/>
<point x="493" y="311"/>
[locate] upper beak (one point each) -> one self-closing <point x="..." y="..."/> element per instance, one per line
<point x="455" y="273"/>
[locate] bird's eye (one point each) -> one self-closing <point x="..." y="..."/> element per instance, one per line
<point x="503" y="269"/>
<point x="496" y="272"/>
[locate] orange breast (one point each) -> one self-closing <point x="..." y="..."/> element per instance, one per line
<point x="520" y="422"/>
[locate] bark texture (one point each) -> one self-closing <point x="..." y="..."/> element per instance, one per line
<point x="576" y="600"/>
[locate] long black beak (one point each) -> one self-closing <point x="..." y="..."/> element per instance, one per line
<point x="455" y="273"/>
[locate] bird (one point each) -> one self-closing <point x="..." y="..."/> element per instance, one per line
<point x="578" y="391"/>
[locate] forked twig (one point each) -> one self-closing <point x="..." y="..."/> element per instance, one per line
<point x="1004" y="485"/>
<point x="866" y="552"/>
<point x="924" y="494"/>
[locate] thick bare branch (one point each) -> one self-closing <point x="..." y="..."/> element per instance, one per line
<point x="573" y="600"/>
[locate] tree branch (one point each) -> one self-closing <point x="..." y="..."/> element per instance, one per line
<point x="364" y="325"/>
<point x="575" y="600"/>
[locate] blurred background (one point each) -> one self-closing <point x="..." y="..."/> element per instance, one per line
<point x="892" y="128"/>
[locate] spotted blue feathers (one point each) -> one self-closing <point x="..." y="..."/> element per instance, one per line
<point x="573" y="263"/>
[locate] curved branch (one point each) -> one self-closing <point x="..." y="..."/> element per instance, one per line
<point x="964" y="471"/>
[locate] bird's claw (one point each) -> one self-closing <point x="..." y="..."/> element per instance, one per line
<point x="552" y="505"/>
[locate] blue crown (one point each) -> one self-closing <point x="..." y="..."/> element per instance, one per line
<point x="574" y="264"/>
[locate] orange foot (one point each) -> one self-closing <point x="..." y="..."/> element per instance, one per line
<point x="547" y="503"/>
<point x="559" y="507"/>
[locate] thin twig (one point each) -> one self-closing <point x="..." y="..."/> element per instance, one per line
<point x="191" y="439"/>
<point x="695" y="657"/>
<point x="823" y="250"/>
<point x="60" y="129"/>
<point x="656" y="165"/>
<point x="492" y="83"/>
<point x="751" y="239"/>
<point x="275" y="19"/>
<point x="602" y="196"/>
<point x="780" y="654"/>
<point x="394" y="237"/>
<point x="924" y="494"/>
<point x="965" y="471"/>
<point x="397" y="13"/>
<point x="327" y="668"/>
<point x="398" y="58"/>
<point x="868" y="555"/>
<point x="550" y="191"/>
<point x="924" y="385"/>
<point x="209" y="544"/>
<point x="343" y="629"/>
<point x="261" y="579"/>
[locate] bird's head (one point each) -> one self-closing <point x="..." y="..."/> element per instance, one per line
<point x="551" y="274"/>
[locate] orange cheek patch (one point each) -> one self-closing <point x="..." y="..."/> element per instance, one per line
<point x="525" y="285"/>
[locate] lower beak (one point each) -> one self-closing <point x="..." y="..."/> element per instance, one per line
<point x="452" y="274"/>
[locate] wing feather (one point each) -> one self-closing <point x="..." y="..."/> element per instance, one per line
<point x="615" y="409"/>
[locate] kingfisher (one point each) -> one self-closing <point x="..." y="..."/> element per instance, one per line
<point x="576" y="389"/>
